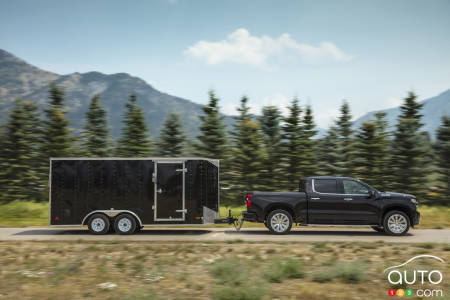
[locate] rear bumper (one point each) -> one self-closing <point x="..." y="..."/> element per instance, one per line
<point x="249" y="217"/>
<point x="416" y="218"/>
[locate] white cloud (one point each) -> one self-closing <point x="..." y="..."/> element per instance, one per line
<point x="242" y="47"/>
<point x="394" y="102"/>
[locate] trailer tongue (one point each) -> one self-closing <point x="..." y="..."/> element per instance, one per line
<point x="230" y="220"/>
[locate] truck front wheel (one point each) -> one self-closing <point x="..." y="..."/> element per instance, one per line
<point x="279" y="221"/>
<point x="396" y="223"/>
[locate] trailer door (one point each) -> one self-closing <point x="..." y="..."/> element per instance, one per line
<point x="169" y="191"/>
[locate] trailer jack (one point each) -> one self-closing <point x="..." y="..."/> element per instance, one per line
<point x="230" y="220"/>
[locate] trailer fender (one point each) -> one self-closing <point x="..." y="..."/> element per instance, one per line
<point x="112" y="213"/>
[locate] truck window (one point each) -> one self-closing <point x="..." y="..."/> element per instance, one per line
<point x="325" y="186"/>
<point x="354" y="187"/>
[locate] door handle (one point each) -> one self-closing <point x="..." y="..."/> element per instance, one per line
<point x="159" y="191"/>
<point x="348" y="199"/>
<point x="315" y="198"/>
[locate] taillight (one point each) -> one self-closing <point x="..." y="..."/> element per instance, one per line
<point x="248" y="199"/>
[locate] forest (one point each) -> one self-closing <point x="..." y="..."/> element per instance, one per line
<point x="265" y="152"/>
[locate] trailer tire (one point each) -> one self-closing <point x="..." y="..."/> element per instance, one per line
<point x="279" y="221"/>
<point x="98" y="224"/>
<point x="125" y="224"/>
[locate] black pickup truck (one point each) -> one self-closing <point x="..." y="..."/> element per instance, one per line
<point x="325" y="200"/>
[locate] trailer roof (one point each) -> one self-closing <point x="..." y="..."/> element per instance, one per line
<point x="212" y="160"/>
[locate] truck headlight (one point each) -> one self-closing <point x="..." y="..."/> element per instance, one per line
<point x="414" y="201"/>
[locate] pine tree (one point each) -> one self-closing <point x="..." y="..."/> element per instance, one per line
<point x="329" y="153"/>
<point x="212" y="140"/>
<point x="172" y="140"/>
<point x="344" y="165"/>
<point x="443" y="161"/>
<point x="212" y="143"/>
<point x="270" y="127"/>
<point x="309" y="150"/>
<point x="19" y="166"/>
<point x="56" y="141"/>
<point x="371" y="160"/>
<point x="135" y="141"/>
<point x="248" y="159"/>
<point x="408" y="148"/>
<point x="96" y="140"/>
<point x="382" y="177"/>
<point x="292" y="146"/>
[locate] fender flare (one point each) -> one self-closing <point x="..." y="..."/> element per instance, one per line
<point x="111" y="213"/>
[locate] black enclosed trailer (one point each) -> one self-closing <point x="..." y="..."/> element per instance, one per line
<point x="126" y="194"/>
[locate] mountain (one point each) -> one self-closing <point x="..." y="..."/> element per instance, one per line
<point x="20" y="79"/>
<point x="433" y="109"/>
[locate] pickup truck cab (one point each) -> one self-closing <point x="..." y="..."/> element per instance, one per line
<point x="326" y="200"/>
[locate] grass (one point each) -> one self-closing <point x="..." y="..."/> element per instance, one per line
<point x="22" y="213"/>
<point x="66" y="270"/>
<point x="349" y="272"/>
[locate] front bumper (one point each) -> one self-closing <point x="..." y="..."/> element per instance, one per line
<point x="416" y="218"/>
<point x="249" y="217"/>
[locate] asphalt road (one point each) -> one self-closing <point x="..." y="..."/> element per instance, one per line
<point x="225" y="234"/>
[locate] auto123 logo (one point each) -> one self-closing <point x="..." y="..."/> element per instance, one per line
<point x="425" y="280"/>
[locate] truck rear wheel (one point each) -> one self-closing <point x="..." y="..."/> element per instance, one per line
<point x="125" y="224"/>
<point x="279" y="221"/>
<point x="396" y="223"/>
<point x="98" y="224"/>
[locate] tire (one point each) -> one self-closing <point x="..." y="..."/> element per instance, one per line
<point x="396" y="223"/>
<point x="378" y="228"/>
<point x="279" y="221"/>
<point x="98" y="224"/>
<point x="125" y="224"/>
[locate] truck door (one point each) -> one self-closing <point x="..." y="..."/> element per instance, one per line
<point x="361" y="209"/>
<point x="169" y="191"/>
<point x="326" y="204"/>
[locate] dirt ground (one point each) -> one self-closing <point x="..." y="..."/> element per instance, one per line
<point x="207" y="270"/>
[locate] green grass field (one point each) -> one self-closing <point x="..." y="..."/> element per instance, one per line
<point x="20" y="213"/>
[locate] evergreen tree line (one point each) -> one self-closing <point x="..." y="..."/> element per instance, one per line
<point x="267" y="152"/>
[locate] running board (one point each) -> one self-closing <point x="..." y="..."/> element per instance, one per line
<point x="337" y="225"/>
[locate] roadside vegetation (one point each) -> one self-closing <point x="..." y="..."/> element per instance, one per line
<point x="191" y="270"/>
<point x="24" y="213"/>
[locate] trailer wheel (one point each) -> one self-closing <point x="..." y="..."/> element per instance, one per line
<point x="279" y="221"/>
<point x="98" y="224"/>
<point x="125" y="224"/>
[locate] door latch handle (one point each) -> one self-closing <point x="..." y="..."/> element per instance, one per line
<point x="315" y="198"/>
<point x="348" y="199"/>
<point x="159" y="191"/>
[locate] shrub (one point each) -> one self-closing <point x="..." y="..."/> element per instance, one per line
<point x="229" y="271"/>
<point x="425" y="245"/>
<point x="350" y="272"/>
<point x="254" y="292"/>
<point x="278" y="271"/>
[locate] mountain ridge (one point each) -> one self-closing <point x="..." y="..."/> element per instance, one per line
<point x="79" y="88"/>
<point x="19" y="78"/>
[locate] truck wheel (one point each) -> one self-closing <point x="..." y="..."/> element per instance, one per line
<point x="378" y="228"/>
<point x="125" y="224"/>
<point x="279" y="221"/>
<point x="98" y="224"/>
<point x="396" y="223"/>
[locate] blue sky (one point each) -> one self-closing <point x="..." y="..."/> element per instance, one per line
<point x="368" y="52"/>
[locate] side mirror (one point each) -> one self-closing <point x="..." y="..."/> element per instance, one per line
<point x="372" y="194"/>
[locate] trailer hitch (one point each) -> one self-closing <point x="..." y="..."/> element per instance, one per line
<point x="230" y="220"/>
